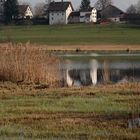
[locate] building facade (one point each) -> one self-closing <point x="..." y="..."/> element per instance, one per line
<point x="25" y="12"/>
<point x="59" y="12"/>
<point x="89" y="15"/>
<point x="112" y="13"/>
<point x="86" y="16"/>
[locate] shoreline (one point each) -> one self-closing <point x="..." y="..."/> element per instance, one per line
<point x="78" y="48"/>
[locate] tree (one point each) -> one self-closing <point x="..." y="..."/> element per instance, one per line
<point x="102" y="4"/>
<point x="85" y="4"/>
<point x="39" y="9"/>
<point x="138" y="7"/>
<point x="131" y="9"/>
<point x="10" y="10"/>
<point x="46" y="7"/>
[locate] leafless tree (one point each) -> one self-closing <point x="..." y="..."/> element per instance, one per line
<point x="47" y="6"/>
<point x="138" y="7"/>
<point x="131" y="9"/>
<point x="102" y="4"/>
<point x="39" y="9"/>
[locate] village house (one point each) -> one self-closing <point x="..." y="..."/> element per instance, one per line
<point x="59" y="12"/>
<point x="84" y="16"/>
<point x="25" y="12"/>
<point x="74" y="17"/>
<point x="89" y="15"/>
<point x="112" y="13"/>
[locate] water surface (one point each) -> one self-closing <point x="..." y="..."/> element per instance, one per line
<point x="92" y="68"/>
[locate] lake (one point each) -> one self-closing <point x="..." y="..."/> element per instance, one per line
<point x="84" y="69"/>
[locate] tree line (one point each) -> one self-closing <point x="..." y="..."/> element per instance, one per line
<point x="134" y="9"/>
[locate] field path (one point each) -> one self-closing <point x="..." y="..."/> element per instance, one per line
<point x="80" y="47"/>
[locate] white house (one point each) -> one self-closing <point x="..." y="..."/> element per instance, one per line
<point x="59" y="12"/>
<point x="25" y="12"/>
<point x="1" y="9"/>
<point x="89" y="15"/>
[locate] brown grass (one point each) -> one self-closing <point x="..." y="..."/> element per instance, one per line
<point x="85" y="47"/>
<point x="91" y="47"/>
<point x="28" y="64"/>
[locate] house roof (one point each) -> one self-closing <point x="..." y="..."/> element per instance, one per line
<point x="59" y="6"/>
<point x="22" y="9"/>
<point x="112" y="11"/>
<point x="88" y="15"/>
<point x="87" y="10"/>
<point x="75" y="14"/>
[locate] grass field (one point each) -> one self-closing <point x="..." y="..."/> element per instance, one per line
<point x="68" y="114"/>
<point x="80" y="34"/>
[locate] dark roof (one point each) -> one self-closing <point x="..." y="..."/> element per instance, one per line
<point x="88" y="15"/>
<point x="59" y="6"/>
<point x="22" y="9"/>
<point x="112" y="11"/>
<point x="75" y="14"/>
<point x="87" y="10"/>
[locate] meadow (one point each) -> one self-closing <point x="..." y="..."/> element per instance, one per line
<point x="30" y="109"/>
<point x="75" y="34"/>
<point x="87" y="113"/>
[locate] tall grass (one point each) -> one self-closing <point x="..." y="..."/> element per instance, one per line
<point x="29" y="64"/>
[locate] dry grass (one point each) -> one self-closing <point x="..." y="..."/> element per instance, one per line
<point x="85" y="47"/>
<point x="28" y="64"/>
<point x="89" y="113"/>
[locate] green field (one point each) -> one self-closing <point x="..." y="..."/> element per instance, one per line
<point x="27" y="112"/>
<point x="80" y="34"/>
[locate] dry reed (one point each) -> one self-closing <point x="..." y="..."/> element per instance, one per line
<point x="28" y="64"/>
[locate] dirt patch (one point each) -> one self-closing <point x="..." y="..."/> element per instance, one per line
<point x="112" y="47"/>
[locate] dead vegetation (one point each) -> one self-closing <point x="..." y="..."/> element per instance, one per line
<point x="28" y="64"/>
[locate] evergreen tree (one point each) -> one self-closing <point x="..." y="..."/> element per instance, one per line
<point x="10" y="10"/>
<point x="85" y="4"/>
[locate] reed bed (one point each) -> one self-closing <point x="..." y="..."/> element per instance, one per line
<point x="28" y="64"/>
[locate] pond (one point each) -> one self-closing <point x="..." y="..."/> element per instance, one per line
<point x="84" y="69"/>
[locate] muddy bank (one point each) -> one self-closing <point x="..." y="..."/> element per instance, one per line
<point x="77" y="48"/>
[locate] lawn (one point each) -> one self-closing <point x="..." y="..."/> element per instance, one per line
<point x="87" y="113"/>
<point x="78" y="34"/>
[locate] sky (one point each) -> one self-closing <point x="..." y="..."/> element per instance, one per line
<point x="121" y="4"/>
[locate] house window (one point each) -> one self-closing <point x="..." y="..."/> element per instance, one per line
<point x="58" y="14"/>
<point x="62" y="14"/>
<point x="52" y="18"/>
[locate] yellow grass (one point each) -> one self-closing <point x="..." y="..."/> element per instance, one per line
<point x="28" y="64"/>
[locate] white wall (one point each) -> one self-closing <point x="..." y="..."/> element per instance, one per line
<point x="92" y="18"/>
<point x="68" y="11"/>
<point x="59" y="17"/>
<point x="28" y="13"/>
<point x="116" y="19"/>
<point x="82" y="16"/>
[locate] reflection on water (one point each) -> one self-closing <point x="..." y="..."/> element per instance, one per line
<point x="86" y="70"/>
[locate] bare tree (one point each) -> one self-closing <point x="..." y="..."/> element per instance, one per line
<point x="131" y="9"/>
<point x="47" y="6"/>
<point x="102" y="4"/>
<point x="138" y="7"/>
<point x="39" y="9"/>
